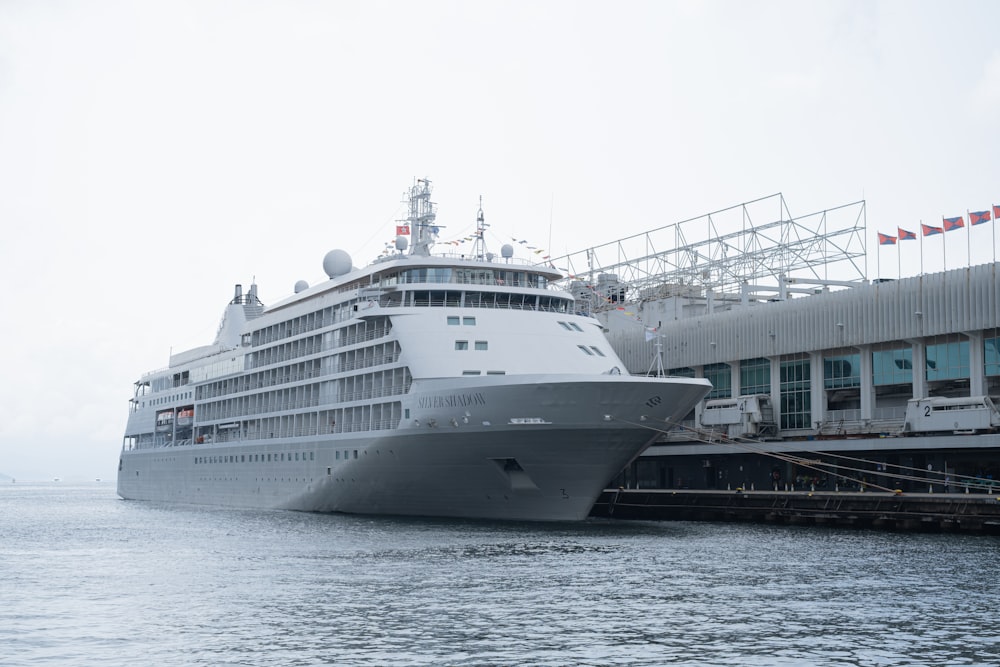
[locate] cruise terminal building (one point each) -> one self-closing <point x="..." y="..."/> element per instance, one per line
<point x="823" y="379"/>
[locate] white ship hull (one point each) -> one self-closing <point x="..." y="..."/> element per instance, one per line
<point x="537" y="448"/>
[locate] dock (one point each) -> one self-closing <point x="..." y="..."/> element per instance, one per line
<point x="916" y="512"/>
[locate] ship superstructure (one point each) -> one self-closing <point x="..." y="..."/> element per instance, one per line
<point x="422" y="384"/>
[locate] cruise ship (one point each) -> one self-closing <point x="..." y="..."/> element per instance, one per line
<point x="423" y="384"/>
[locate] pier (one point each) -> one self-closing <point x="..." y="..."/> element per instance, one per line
<point x="918" y="512"/>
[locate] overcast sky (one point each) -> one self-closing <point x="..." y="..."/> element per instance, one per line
<point x="154" y="153"/>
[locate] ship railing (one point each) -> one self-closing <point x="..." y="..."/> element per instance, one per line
<point x="236" y="435"/>
<point x="436" y="303"/>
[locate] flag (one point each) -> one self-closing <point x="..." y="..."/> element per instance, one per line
<point x="402" y="230"/>
<point x="996" y="211"/>
<point x="953" y="223"/>
<point x="930" y="231"/>
<point x="905" y="235"/>
<point x="650" y="334"/>
<point x="979" y="217"/>
<point x="885" y="239"/>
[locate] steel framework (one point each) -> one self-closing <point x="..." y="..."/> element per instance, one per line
<point x="724" y="250"/>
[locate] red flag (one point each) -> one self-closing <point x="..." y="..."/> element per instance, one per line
<point x="905" y="235"/>
<point x="996" y="211"/>
<point x="979" y="217"/>
<point x="930" y="231"/>
<point x="885" y="239"/>
<point x="402" y="230"/>
<point x="953" y="223"/>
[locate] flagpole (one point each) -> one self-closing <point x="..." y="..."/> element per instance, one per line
<point x="944" y="247"/>
<point x="968" y="240"/>
<point x="878" y="261"/>
<point x="921" y="247"/>
<point x="899" y="264"/>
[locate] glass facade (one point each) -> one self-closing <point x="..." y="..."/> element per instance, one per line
<point x="755" y="376"/>
<point x="991" y="355"/>
<point x="681" y="372"/>
<point x="948" y="361"/>
<point x="721" y="377"/>
<point x="796" y="401"/>
<point x="892" y="366"/>
<point x="842" y="370"/>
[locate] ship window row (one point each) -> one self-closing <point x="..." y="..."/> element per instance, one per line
<point x="457" y="299"/>
<point x="256" y="458"/>
<point x="360" y="418"/>
<point x="344" y="362"/>
<point x="487" y="372"/>
<point x="363" y="386"/>
<point x="453" y="321"/>
<point x="302" y="347"/>
<point x="591" y="351"/>
<point x="570" y="326"/>
<point x="360" y="332"/>
<point x="479" y="345"/>
<point x="164" y="382"/>
<point x="318" y="319"/>
<point x="463" y="276"/>
<point x="170" y="400"/>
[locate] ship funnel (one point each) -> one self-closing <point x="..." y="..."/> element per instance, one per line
<point x="238" y="296"/>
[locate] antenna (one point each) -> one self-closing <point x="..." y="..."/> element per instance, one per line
<point x="479" y="247"/>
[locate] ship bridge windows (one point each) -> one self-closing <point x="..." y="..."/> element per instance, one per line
<point x="461" y="345"/>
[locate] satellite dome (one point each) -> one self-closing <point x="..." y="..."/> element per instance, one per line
<point x="507" y="251"/>
<point x="402" y="242"/>
<point x="337" y="263"/>
<point x="301" y="286"/>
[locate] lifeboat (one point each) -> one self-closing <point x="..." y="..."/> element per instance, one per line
<point x="185" y="416"/>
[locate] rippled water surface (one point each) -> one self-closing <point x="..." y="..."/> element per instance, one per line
<point x="89" y="579"/>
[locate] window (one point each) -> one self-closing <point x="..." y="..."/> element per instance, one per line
<point x="755" y="377"/>
<point x="481" y="344"/>
<point x="948" y="361"/>
<point x="992" y="355"/>
<point x="842" y="371"/>
<point x="565" y="326"/>
<point x="470" y="372"/>
<point x="892" y="366"/>
<point x="496" y="372"/>
<point x="685" y="372"/>
<point x="469" y="321"/>
<point x="461" y="345"/>
<point x="796" y="400"/>
<point x="575" y="326"/>
<point x="453" y="320"/>
<point x="721" y="377"/>
<point x="585" y="350"/>
<point x="597" y="351"/>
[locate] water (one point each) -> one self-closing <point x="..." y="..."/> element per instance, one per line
<point x="87" y="579"/>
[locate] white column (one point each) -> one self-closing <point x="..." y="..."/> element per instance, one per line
<point x="919" y="369"/>
<point x="867" y="383"/>
<point x="817" y="391"/>
<point x="776" y="389"/>
<point x="977" y="363"/>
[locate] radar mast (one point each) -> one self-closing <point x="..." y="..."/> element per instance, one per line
<point x="479" y="247"/>
<point x="421" y="217"/>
